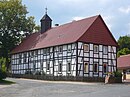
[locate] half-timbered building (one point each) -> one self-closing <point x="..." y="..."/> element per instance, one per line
<point x="80" y="48"/>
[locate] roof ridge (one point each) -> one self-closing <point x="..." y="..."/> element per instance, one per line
<point x="76" y="21"/>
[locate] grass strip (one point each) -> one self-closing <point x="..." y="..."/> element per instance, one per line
<point x="6" y="82"/>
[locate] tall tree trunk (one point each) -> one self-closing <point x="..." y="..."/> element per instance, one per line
<point x="7" y="63"/>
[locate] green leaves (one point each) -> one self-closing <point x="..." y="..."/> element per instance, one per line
<point x="124" y="45"/>
<point x="3" y="64"/>
<point x="14" y="25"/>
<point x="124" y="42"/>
<point x="123" y="51"/>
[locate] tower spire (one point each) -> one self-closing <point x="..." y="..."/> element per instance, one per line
<point x="46" y="10"/>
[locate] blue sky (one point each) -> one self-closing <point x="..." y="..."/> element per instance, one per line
<point x="116" y="13"/>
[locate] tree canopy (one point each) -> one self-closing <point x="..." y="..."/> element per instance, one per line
<point x="14" y="25"/>
<point x="124" y="45"/>
<point x="124" y="42"/>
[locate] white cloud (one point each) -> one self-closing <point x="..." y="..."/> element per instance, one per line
<point x="77" y="18"/>
<point x="125" y="9"/>
<point x="104" y="1"/>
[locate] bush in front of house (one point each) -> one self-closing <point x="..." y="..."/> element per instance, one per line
<point x="2" y="74"/>
<point x="117" y="74"/>
<point x="28" y="72"/>
<point x="37" y="73"/>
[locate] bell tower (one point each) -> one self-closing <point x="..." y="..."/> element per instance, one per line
<point x="46" y="22"/>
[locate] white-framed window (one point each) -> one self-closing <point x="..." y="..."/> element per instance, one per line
<point x="48" y="66"/>
<point x="44" y="51"/>
<point x="20" y="60"/>
<point x="48" y="50"/>
<point x="86" y="47"/>
<point x="20" y="56"/>
<point x="105" y="49"/>
<point x="95" y="67"/>
<point x="69" y="67"/>
<point x="60" y="67"/>
<point x="24" y="57"/>
<point x="31" y="53"/>
<point x="86" y="67"/>
<point x="96" y="49"/>
<point x="69" y="48"/>
<point x="104" y="68"/>
<point x="36" y="52"/>
<point x="60" y="49"/>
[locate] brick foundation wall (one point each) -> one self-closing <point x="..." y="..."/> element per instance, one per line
<point x="59" y="78"/>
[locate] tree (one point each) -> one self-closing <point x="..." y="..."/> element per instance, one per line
<point x="14" y="26"/>
<point x="124" y="42"/>
<point x="124" y="45"/>
<point x="123" y="51"/>
<point x="2" y="68"/>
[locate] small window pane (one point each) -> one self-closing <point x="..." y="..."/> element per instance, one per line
<point x="60" y="49"/>
<point x="95" y="48"/>
<point x="60" y="67"/>
<point x="32" y="53"/>
<point x="105" y="50"/>
<point x="69" y="48"/>
<point x="86" y="67"/>
<point x="69" y="67"/>
<point x="95" y="67"/>
<point x="104" y="68"/>
<point x="36" y="52"/>
<point x="86" y="47"/>
<point x="45" y="51"/>
<point x="20" y="56"/>
<point x="48" y="50"/>
<point x="48" y="66"/>
<point x="24" y="59"/>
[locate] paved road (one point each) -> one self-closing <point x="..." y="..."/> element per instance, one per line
<point x="37" y="88"/>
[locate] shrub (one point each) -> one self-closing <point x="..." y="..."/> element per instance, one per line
<point x="2" y="74"/>
<point x="43" y="73"/>
<point x="37" y="73"/>
<point x="117" y="74"/>
<point x="28" y="72"/>
<point x="2" y="64"/>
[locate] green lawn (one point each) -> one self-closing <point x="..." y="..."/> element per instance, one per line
<point x="6" y="82"/>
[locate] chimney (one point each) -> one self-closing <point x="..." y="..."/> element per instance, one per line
<point x="56" y="25"/>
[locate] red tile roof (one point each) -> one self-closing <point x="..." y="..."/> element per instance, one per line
<point x="123" y="62"/>
<point x="91" y="29"/>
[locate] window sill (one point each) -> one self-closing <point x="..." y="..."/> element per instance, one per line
<point x="86" y="51"/>
<point x="85" y="72"/>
